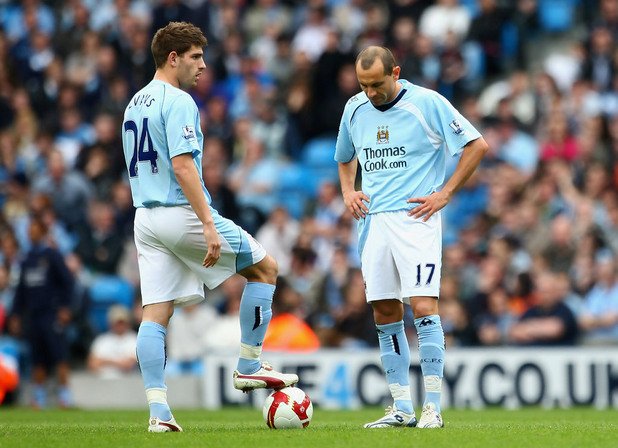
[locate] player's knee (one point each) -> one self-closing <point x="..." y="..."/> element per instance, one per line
<point x="387" y="311"/>
<point x="424" y="306"/>
<point x="160" y="313"/>
<point x="266" y="271"/>
<point x="269" y="270"/>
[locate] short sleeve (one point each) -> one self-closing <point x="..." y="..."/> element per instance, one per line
<point x="453" y="127"/>
<point x="344" y="148"/>
<point x="182" y="118"/>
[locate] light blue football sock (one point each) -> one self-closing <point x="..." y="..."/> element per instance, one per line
<point x="255" y="314"/>
<point x="151" y="358"/>
<point x="431" y="353"/>
<point x="395" y="355"/>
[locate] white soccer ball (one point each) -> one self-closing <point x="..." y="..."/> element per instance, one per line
<point x="288" y="408"/>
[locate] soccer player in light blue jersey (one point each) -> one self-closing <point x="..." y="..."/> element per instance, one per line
<point x="182" y="242"/>
<point x="400" y="135"/>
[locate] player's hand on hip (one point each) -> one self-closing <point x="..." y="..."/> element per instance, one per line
<point x="427" y="205"/>
<point x="214" y="245"/>
<point x="355" y="202"/>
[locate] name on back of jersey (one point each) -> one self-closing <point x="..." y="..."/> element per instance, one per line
<point x="141" y="100"/>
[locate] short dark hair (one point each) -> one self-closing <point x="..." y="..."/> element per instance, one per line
<point x="175" y="36"/>
<point x="367" y="57"/>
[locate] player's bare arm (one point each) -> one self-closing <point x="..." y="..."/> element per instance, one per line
<point x="470" y="159"/>
<point x="188" y="179"/>
<point x="354" y="200"/>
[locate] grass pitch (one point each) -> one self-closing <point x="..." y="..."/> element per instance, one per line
<point x="242" y="427"/>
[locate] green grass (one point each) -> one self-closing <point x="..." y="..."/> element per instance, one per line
<point x="238" y="428"/>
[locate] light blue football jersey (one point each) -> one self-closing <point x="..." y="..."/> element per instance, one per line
<point x="401" y="146"/>
<point x="160" y="122"/>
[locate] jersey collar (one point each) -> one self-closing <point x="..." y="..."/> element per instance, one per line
<point x="387" y="106"/>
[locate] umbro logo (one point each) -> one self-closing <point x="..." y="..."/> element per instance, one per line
<point x="399" y="418"/>
<point x="426" y="321"/>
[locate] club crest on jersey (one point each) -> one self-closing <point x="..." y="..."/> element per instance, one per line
<point x="382" y="134"/>
<point x="456" y="127"/>
<point x="188" y="132"/>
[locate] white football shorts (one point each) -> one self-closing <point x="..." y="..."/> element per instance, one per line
<point x="171" y="248"/>
<point x="401" y="257"/>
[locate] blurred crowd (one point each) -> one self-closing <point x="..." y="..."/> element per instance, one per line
<point x="530" y="243"/>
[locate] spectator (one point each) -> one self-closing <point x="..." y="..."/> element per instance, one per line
<point x="287" y="330"/>
<point x="281" y="66"/>
<point x="253" y="180"/>
<point x="100" y="246"/>
<point x="599" y="316"/>
<point x="97" y="167"/>
<point x="329" y="298"/>
<point x="264" y="14"/>
<point x="28" y="14"/>
<point x="6" y="295"/>
<point x="81" y="65"/>
<point x="218" y="123"/>
<point x="75" y="133"/>
<point x="270" y="127"/>
<point x="224" y="332"/>
<point x="169" y="11"/>
<point x="489" y="278"/>
<point x="72" y="28"/>
<point x="493" y="326"/>
<point x="354" y="324"/>
<point x="559" y="142"/>
<point x="560" y="249"/>
<point x="453" y="314"/>
<point x="69" y="190"/>
<point x="186" y="344"/>
<point x="41" y="313"/>
<point x="487" y="30"/>
<point x="124" y="212"/>
<point x="517" y="147"/>
<point x="517" y="91"/>
<point x="112" y="353"/>
<point x="278" y="236"/>
<point x="304" y="276"/>
<point x="443" y="17"/>
<point x="40" y="207"/>
<point x="312" y="37"/>
<point x="106" y="137"/>
<point x="223" y="197"/>
<point x="11" y="257"/>
<point x="550" y="322"/>
<point x="598" y="67"/>
<point x="330" y="105"/>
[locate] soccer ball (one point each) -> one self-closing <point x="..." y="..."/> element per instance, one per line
<point x="288" y="408"/>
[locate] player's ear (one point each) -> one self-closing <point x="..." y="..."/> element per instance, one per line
<point x="172" y="59"/>
<point x="396" y="72"/>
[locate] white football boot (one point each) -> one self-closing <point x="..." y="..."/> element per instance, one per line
<point x="155" y="424"/>
<point x="265" y="378"/>
<point x="430" y="418"/>
<point x="393" y="418"/>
